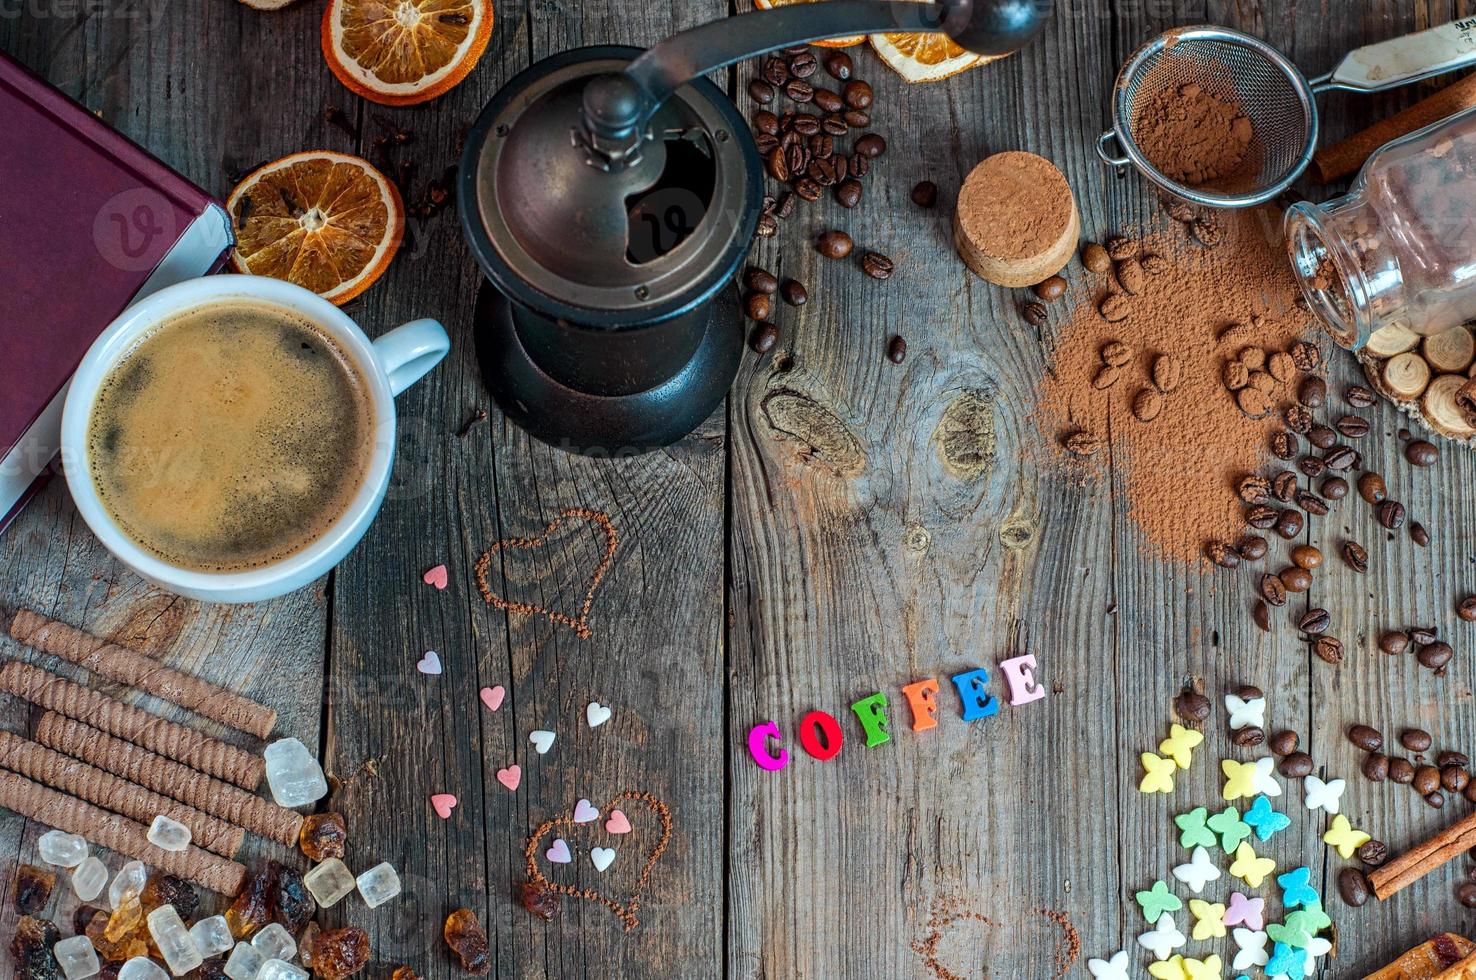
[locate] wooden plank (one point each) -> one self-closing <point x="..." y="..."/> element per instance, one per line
<point x="654" y="657"/>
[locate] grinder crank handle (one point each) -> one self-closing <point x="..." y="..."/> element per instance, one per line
<point x="618" y="106"/>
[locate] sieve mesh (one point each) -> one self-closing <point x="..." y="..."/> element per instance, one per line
<point x="1277" y="102"/>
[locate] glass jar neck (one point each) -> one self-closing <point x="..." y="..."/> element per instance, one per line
<point x="1350" y="296"/>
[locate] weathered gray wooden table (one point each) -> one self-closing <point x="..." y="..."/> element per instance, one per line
<point x="807" y="546"/>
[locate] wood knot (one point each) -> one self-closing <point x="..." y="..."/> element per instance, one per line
<point x="965" y="435"/>
<point x="819" y="436"/>
<point x="1018" y="532"/>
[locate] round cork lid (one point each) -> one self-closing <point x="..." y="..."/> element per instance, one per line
<point x="1016" y="221"/>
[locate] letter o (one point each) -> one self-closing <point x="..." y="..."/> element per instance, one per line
<point x="820" y="734"/>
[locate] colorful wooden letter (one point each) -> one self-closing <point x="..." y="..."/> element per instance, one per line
<point x="924" y="705"/>
<point x="870" y="711"/>
<point x="977" y="702"/>
<point x="1020" y="673"/>
<point x="820" y="734"/>
<point x="758" y="746"/>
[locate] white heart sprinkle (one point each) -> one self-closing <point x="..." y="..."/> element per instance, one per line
<point x="542" y="741"/>
<point x="601" y="857"/>
<point x="596" y="714"/>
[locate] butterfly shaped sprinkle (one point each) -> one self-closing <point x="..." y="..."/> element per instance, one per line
<point x="1341" y="835"/>
<point x="1266" y="819"/>
<point x="1199" y="872"/>
<point x="1209" y="919"/>
<point x="1180" y="745"/>
<point x="1296" y="890"/>
<point x="1158" y="774"/>
<point x="1230" y="827"/>
<point x="1156" y="901"/>
<point x="1163" y="938"/>
<point x="1192" y="829"/>
<point x="1251" y="869"/>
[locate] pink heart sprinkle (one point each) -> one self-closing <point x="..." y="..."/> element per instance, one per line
<point x="436" y="576"/>
<point x="617" y="824"/>
<point x="559" y="852"/>
<point x="584" y="812"/>
<point x="430" y="663"/>
<point x="492" y="697"/>
<point x="510" y="777"/>
<point x="443" y="803"/>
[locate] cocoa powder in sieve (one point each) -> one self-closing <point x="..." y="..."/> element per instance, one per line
<point x="1178" y="471"/>
<point x="1193" y="136"/>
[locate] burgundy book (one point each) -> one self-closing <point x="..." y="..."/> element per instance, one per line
<point x="89" y="222"/>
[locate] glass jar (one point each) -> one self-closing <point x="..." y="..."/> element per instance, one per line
<point x="1399" y="250"/>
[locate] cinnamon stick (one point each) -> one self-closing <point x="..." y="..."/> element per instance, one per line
<point x="136" y="670"/>
<point x="1420" y="860"/>
<point x="1342" y="159"/>
<point x="67" y="775"/>
<point x="128" y="837"/>
<point x="127" y="761"/>
<point x="156" y="734"/>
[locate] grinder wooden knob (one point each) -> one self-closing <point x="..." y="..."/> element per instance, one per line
<point x="1016" y="222"/>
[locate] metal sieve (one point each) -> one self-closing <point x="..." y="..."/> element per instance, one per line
<point x="1274" y="95"/>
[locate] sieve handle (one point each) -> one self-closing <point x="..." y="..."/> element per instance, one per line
<point x="1406" y="59"/>
<point x="1103" y="141"/>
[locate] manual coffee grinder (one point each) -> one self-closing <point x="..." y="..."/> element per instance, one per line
<point x="609" y="193"/>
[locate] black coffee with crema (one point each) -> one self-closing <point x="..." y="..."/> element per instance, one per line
<point x="230" y="436"/>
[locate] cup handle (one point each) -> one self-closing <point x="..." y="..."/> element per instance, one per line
<point x="407" y="353"/>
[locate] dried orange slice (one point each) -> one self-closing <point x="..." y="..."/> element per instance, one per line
<point x="326" y="221"/>
<point x="400" y="52"/>
<point x="835" y="42"/>
<point x="925" y="57"/>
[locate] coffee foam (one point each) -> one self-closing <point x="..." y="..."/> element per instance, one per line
<point x="230" y="437"/>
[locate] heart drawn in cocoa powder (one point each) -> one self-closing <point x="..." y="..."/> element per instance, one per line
<point x="580" y="624"/>
<point x="624" y="910"/>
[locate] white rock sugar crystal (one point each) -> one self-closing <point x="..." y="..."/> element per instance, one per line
<point x="280" y="970"/>
<point x="212" y="935"/>
<point x="62" y="850"/>
<point x="244" y="962"/>
<point x="128" y="884"/>
<point x="173" y="939"/>
<point x="142" y="968"/>
<point x="293" y="774"/>
<point x="76" y="957"/>
<point x="379" y="884"/>
<point x="329" y="882"/>
<point x="275" y="943"/>
<point x="171" y="835"/>
<point x="89" y="879"/>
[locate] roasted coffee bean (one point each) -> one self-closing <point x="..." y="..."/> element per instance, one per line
<point x="1452" y="758"/>
<point x="1192" y="706"/>
<point x="1306" y="555"/>
<point x="856" y="119"/>
<point x="1466" y="894"/>
<point x="804" y="64"/>
<point x="1418" y="534"/>
<point x="758" y="306"/>
<point x="1426" y="780"/>
<point x="834" y="244"/>
<point x="763" y="338"/>
<point x="1390" y="514"/>
<point x="1359" y="396"/>
<point x="1252" y="547"/>
<point x="1401" y="771"/>
<point x="793" y="292"/>
<point x="765" y="121"/>
<point x="1454" y="778"/>
<point x="1296" y="765"/>
<point x="1050" y="290"/>
<point x="1273" y="590"/>
<point x="759" y="280"/>
<point x="1376" y="767"/>
<point x="1423" y="634"/>
<point x="1353" y="888"/>
<point x="1284" y="486"/>
<point x="1466" y="609"/>
<point x="1329" y="648"/>
<point x="799" y="91"/>
<point x="848" y="192"/>
<point x="1340" y="458"/>
<point x="1261" y="516"/>
<point x="805" y="124"/>
<point x="876" y="265"/>
<point x="1314" y="622"/>
<point x="1289" y="524"/>
<point x="858" y="165"/>
<point x="807" y="189"/>
<point x="1435" y="656"/>
<point x="1373" y="853"/>
<point x="1296" y="580"/>
<point x="1422" y="453"/>
<point x="775" y="71"/>
<point x="1335" y="488"/>
<point x="1305" y="355"/>
<point x="857" y="94"/>
<point x="1312" y="466"/>
<point x="767" y="227"/>
<point x="778" y="164"/>
<point x="1366" y="737"/>
<point x="1284" y="742"/>
<point x="1371" y="488"/>
<point x="1352" y="426"/>
<point x="1321" y="436"/>
<point x="760" y="91"/>
<point x="1298" y="419"/>
<point x="1248" y="692"/>
<point x="834" y="125"/>
<point x="1222" y="554"/>
<point x="1095" y="258"/>
<point x="1415" y="739"/>
<point x="871" y="145"/>
<point x="822" y="145"/>
<point x="1311" y="503"/>
<point x="788" y="201"/>
<point x="1122" y="248"/>
<point x="1284" y="445"/>
<point x="838" y="64"/>
<point x="1261" y="615"/>
<point x="1254" y="489"/>
<point x="765" y="144"/>
<point x="897" y="350"/>
<point x="1355" y="556"/>
<point x="797" y="158"/>
<point x="1035" y="314"/>
<point x="925" y="195"/>
<point x="1312" y="392"/>
<point x="1248" y="737"/>
<point x="1435" y="800"/>
<point x="824" y="173"/>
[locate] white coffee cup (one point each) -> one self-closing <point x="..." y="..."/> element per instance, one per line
<point x="389" y="365"/>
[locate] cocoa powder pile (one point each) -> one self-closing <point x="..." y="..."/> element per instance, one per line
<point x="1193" y="136"/>
<point x="1146" y="394"/>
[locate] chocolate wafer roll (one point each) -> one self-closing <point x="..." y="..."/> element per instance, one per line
<point x="134" y="724"/>
<point x="145" y="673"/>
<point x="86" y="782"/>
<point x="128" y="837"/>
<point x="128" y="761"/>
